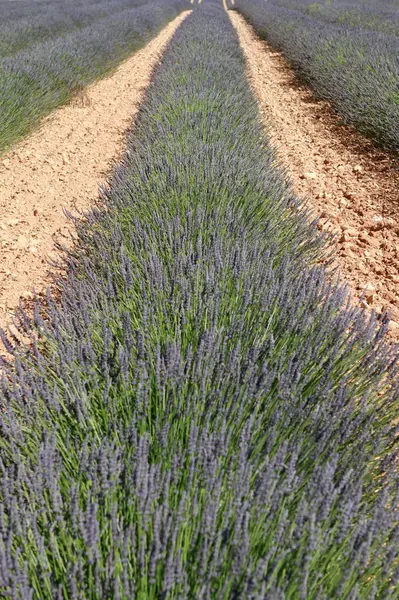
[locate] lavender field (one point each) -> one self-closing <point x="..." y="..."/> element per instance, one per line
<point x="24" y="24"/>
<point x="49" y="51"/>
<point x="199" y="412"/>
<point x="348" y="52"/>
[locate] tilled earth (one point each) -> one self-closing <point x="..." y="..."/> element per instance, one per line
<point x="352" y="187"/>
<point x="61" y="167"/>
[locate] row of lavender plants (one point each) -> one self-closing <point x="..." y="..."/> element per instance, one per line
<point x="23" y="24"/>
<point x="201" y="414"/>
<point x="37" y="80"/>
<point x="376" y="15"/>
<point x="356" y="69"/>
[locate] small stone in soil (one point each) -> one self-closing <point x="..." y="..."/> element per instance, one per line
<point x="394" y="326"/>
<point x="368" y="292"/>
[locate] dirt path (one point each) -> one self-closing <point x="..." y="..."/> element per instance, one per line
<point x="61" y="167"/>
<point x="352" y="187"/>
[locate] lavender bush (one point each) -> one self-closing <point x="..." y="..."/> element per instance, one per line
<point x="35" y="81"/>
<point x="202" y="414"/>
<point x="339" y="54"/>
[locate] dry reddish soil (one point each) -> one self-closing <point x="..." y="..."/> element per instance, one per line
<point x="352" y="187"/>
<point x="61" y="167"/>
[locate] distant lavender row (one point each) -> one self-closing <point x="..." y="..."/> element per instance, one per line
<point x="376" y="15"/>
<point x="13" y="10"/>
<point x="357" y="70"/>
<point x="37" y="80"/>
<point x="203" y="416"/>
<point x="38" y="21"/>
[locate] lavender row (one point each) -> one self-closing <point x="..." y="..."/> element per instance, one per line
<point x="202" y="414"/>
<point x="23" y="24"/>
<point x="39" y="79"/>
<point x="355" y="69"/>
<point x="375" y="15"/>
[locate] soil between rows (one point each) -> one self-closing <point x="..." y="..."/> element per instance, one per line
<point x="350" y="185"/>
<point x="60" y="168"/>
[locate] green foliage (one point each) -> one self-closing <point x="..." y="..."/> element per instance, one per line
<point x="356" y="70"/>
<point x="202" y="414"/>
<point x="37" y="80"/>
